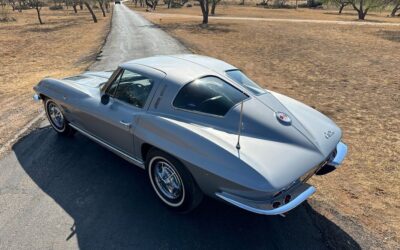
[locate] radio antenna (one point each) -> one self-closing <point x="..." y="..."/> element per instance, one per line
<point x="240" y="126"/>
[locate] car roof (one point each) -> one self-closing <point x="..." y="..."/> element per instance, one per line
<point x="182" y="68"/>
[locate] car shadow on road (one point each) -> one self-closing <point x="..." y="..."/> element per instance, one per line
<point x="113" y="205"/>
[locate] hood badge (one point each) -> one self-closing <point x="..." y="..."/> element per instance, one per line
<point x="283" y="118"/>
<point x="328" y="134"/>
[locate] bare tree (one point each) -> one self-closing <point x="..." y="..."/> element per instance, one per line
<point x="214" y="5"/>
<point x="363" y="6"/>
<point x="204" y="10"/>
<point x="74" y="4"/>
<point x="91" y="11"/>
<point x="151" y="5"/>
<point x="12" y="3"/>
<point x="37" y="5"/>
<point x="341" y="4"/>
<point x="395" y="8"/>
<point x="101" y="3"/>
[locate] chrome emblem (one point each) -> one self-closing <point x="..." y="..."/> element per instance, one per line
<point x="328" y="134"/>
<point x="283" y="118"/>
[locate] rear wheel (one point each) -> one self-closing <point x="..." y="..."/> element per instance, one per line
<point x="57" y="119"/>
<point x="172" y="182"/>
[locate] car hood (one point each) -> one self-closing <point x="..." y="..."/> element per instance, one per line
<point x="280" y="153"/>
<point x="91" y="79"/>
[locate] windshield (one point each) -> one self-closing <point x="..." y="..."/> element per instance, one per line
<point x="246" y="82"/>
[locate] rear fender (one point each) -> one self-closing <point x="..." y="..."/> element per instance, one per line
<point x="204" y="159"/>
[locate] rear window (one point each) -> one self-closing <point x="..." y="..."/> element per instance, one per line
<point x="239" y="77"/>
<point x="209" y="95"/>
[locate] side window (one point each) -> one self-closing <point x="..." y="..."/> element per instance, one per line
<point x="209" y="95"/>
<point x="133" y="88"/>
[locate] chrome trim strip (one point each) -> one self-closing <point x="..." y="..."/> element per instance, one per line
<point x="341" y="152"/>
<point x="129" y="158"/>
<point x="277" y="211"/>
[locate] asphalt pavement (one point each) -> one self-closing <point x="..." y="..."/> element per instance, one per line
<point x="69" y="193"/>
<point x="131" y="37"/>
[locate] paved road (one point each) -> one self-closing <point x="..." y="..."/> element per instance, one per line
<point x="69" y="193"/>
<point x="132" y="37"/>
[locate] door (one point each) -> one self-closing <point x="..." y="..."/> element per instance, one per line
<point x="115" y="121"/>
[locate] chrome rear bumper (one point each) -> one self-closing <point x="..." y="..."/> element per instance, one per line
<point x="301" y="193"/>
<point x="264" y="208"/>
<point x="341" y="152"/>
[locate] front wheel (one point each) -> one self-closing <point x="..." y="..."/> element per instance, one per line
<point x="57" y="119"/>
<point x="172" y="182"/>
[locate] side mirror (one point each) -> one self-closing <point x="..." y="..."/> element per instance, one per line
<point x="105" y="99"/>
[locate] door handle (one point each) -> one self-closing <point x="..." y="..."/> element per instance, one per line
<point x="126" y="124"/>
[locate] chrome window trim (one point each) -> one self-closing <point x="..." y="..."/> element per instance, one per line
<point x="111" y="79"/>
<point x="226" y="73"/>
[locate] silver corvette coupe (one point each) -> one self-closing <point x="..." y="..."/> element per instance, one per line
<point x="198" y="125"/>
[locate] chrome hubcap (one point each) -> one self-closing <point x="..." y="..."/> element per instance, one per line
<point x="56" y="116"/>
<point x="167" y="180"/>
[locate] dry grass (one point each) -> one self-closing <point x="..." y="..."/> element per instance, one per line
<point x="350" y="73"/>
<point x="301" y="13"/>
<point x="66" y="44"/>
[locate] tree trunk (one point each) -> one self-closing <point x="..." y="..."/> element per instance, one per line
<point x="204" y="10"/>
<point x="38" y="13"/>
<point x="80" y="5"/>
<point x="360" y="11"/>
<point x="297" y="4"/>
<point x="91" y="11"/>
<point x="155" y="4"/>
<point x="107" y="4"/>
<point x="341" y="8"/>
<point x="362" y="14"/>
<point x="101" y="7"/>
<point x="74" y="7"/>
<point x="149" y="4"/>
<point x="12" y="3"/>
<point x="242" y="2"/>
<point x="169" y="4"/>
<point x="213" y="6"/>
<point x="395" y="9"/>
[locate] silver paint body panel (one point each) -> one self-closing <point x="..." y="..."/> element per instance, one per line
<point x="272" y="157"/>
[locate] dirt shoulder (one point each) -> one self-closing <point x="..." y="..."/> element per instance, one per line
<point x="347" y="72"/>
<point x="65" y="45"/>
